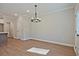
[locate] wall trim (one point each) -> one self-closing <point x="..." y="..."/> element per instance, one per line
<point x="59" y="43"/>
<point x="75" y="50"/>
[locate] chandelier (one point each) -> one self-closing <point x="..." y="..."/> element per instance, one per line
<point x="35" y="18"/>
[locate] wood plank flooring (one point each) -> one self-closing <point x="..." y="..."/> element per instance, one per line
<point x="15" y="47"/>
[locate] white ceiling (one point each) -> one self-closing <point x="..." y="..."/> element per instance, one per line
<point x="21" y="8"/>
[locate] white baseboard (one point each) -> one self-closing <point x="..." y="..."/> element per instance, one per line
<point x="50" y="42"/>
<point x="75" y="50"/>
<point x="69" y="45"/>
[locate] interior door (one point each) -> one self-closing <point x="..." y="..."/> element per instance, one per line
<point x="76" y="47"/>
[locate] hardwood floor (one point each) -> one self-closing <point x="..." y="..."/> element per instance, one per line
<point x="15" y="47"/>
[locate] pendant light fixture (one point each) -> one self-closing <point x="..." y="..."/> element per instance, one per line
<point x="35" y="19"/>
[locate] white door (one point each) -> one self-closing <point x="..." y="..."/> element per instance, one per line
<point x="76" y="47"/>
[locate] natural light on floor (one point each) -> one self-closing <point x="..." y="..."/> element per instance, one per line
<point x="39" y="50"/>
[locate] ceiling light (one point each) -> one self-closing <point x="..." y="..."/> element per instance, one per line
<point x="35" y="19"/>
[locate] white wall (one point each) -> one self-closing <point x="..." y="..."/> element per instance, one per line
<point x="57" y="26"/>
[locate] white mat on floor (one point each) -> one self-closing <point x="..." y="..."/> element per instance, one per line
<point x="39" y="50"/>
